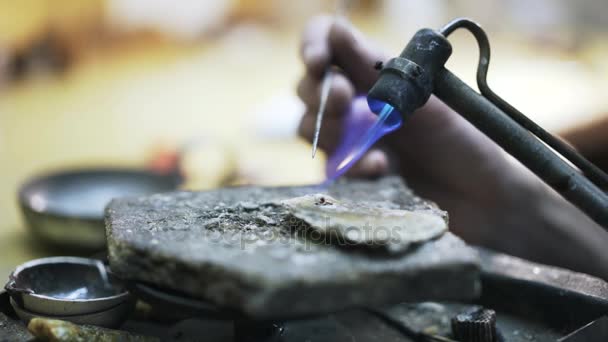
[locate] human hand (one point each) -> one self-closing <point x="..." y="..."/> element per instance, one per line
<point x="440" y="154"/>
<point x="492" y="200"/>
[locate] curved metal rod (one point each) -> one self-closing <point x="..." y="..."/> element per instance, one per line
<point x="595" y="174"/>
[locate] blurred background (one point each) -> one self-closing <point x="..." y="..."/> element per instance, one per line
<point x="130" y="82"/>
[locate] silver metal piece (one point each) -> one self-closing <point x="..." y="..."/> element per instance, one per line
<point x="108" y="318"/>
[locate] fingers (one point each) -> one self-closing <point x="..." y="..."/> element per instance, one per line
<point x="373" y="164"/>
<point x="314" y="48"/>
<point x="330" y="131"/>
<point x="354" y="54"/>
<point x="328" y="41"/>
<point x="335" y="41"/>
<point x="340" y="95"/>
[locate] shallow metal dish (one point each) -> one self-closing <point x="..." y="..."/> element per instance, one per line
<point x="66" y="209"/>
<point x="65" y="286"/>
<point x="110" y="318"/>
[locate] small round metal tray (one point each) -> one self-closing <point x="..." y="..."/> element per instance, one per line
<point x="110" y="317"/>
<point x="66" y="209"/>
<point x="65" y="286"/>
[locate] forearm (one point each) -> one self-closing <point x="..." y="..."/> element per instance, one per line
<point x="539" y="225"/>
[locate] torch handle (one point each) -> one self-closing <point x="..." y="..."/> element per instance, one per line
<point x="522" y="145"/>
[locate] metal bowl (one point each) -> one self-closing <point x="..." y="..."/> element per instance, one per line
<point x="110" y="318"/>
<point x="66" y="209"/>
<point x="65" y="286"/>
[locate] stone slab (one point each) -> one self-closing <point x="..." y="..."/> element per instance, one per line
<point x="238" y="248"/>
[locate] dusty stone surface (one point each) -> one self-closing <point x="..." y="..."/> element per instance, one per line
<point x="240" y="248"/>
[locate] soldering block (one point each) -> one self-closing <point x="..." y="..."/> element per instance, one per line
<point x="242" y="249"/>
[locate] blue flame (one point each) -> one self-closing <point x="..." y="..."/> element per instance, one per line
<point x="361" y="130"/>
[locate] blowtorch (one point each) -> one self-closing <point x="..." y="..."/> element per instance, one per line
<point x="406" y="83"/>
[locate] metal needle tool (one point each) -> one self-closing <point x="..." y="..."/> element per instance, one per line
<point x="325" y="88"/>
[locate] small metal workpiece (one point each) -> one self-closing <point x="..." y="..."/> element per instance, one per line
<point x="325" y="87"/>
